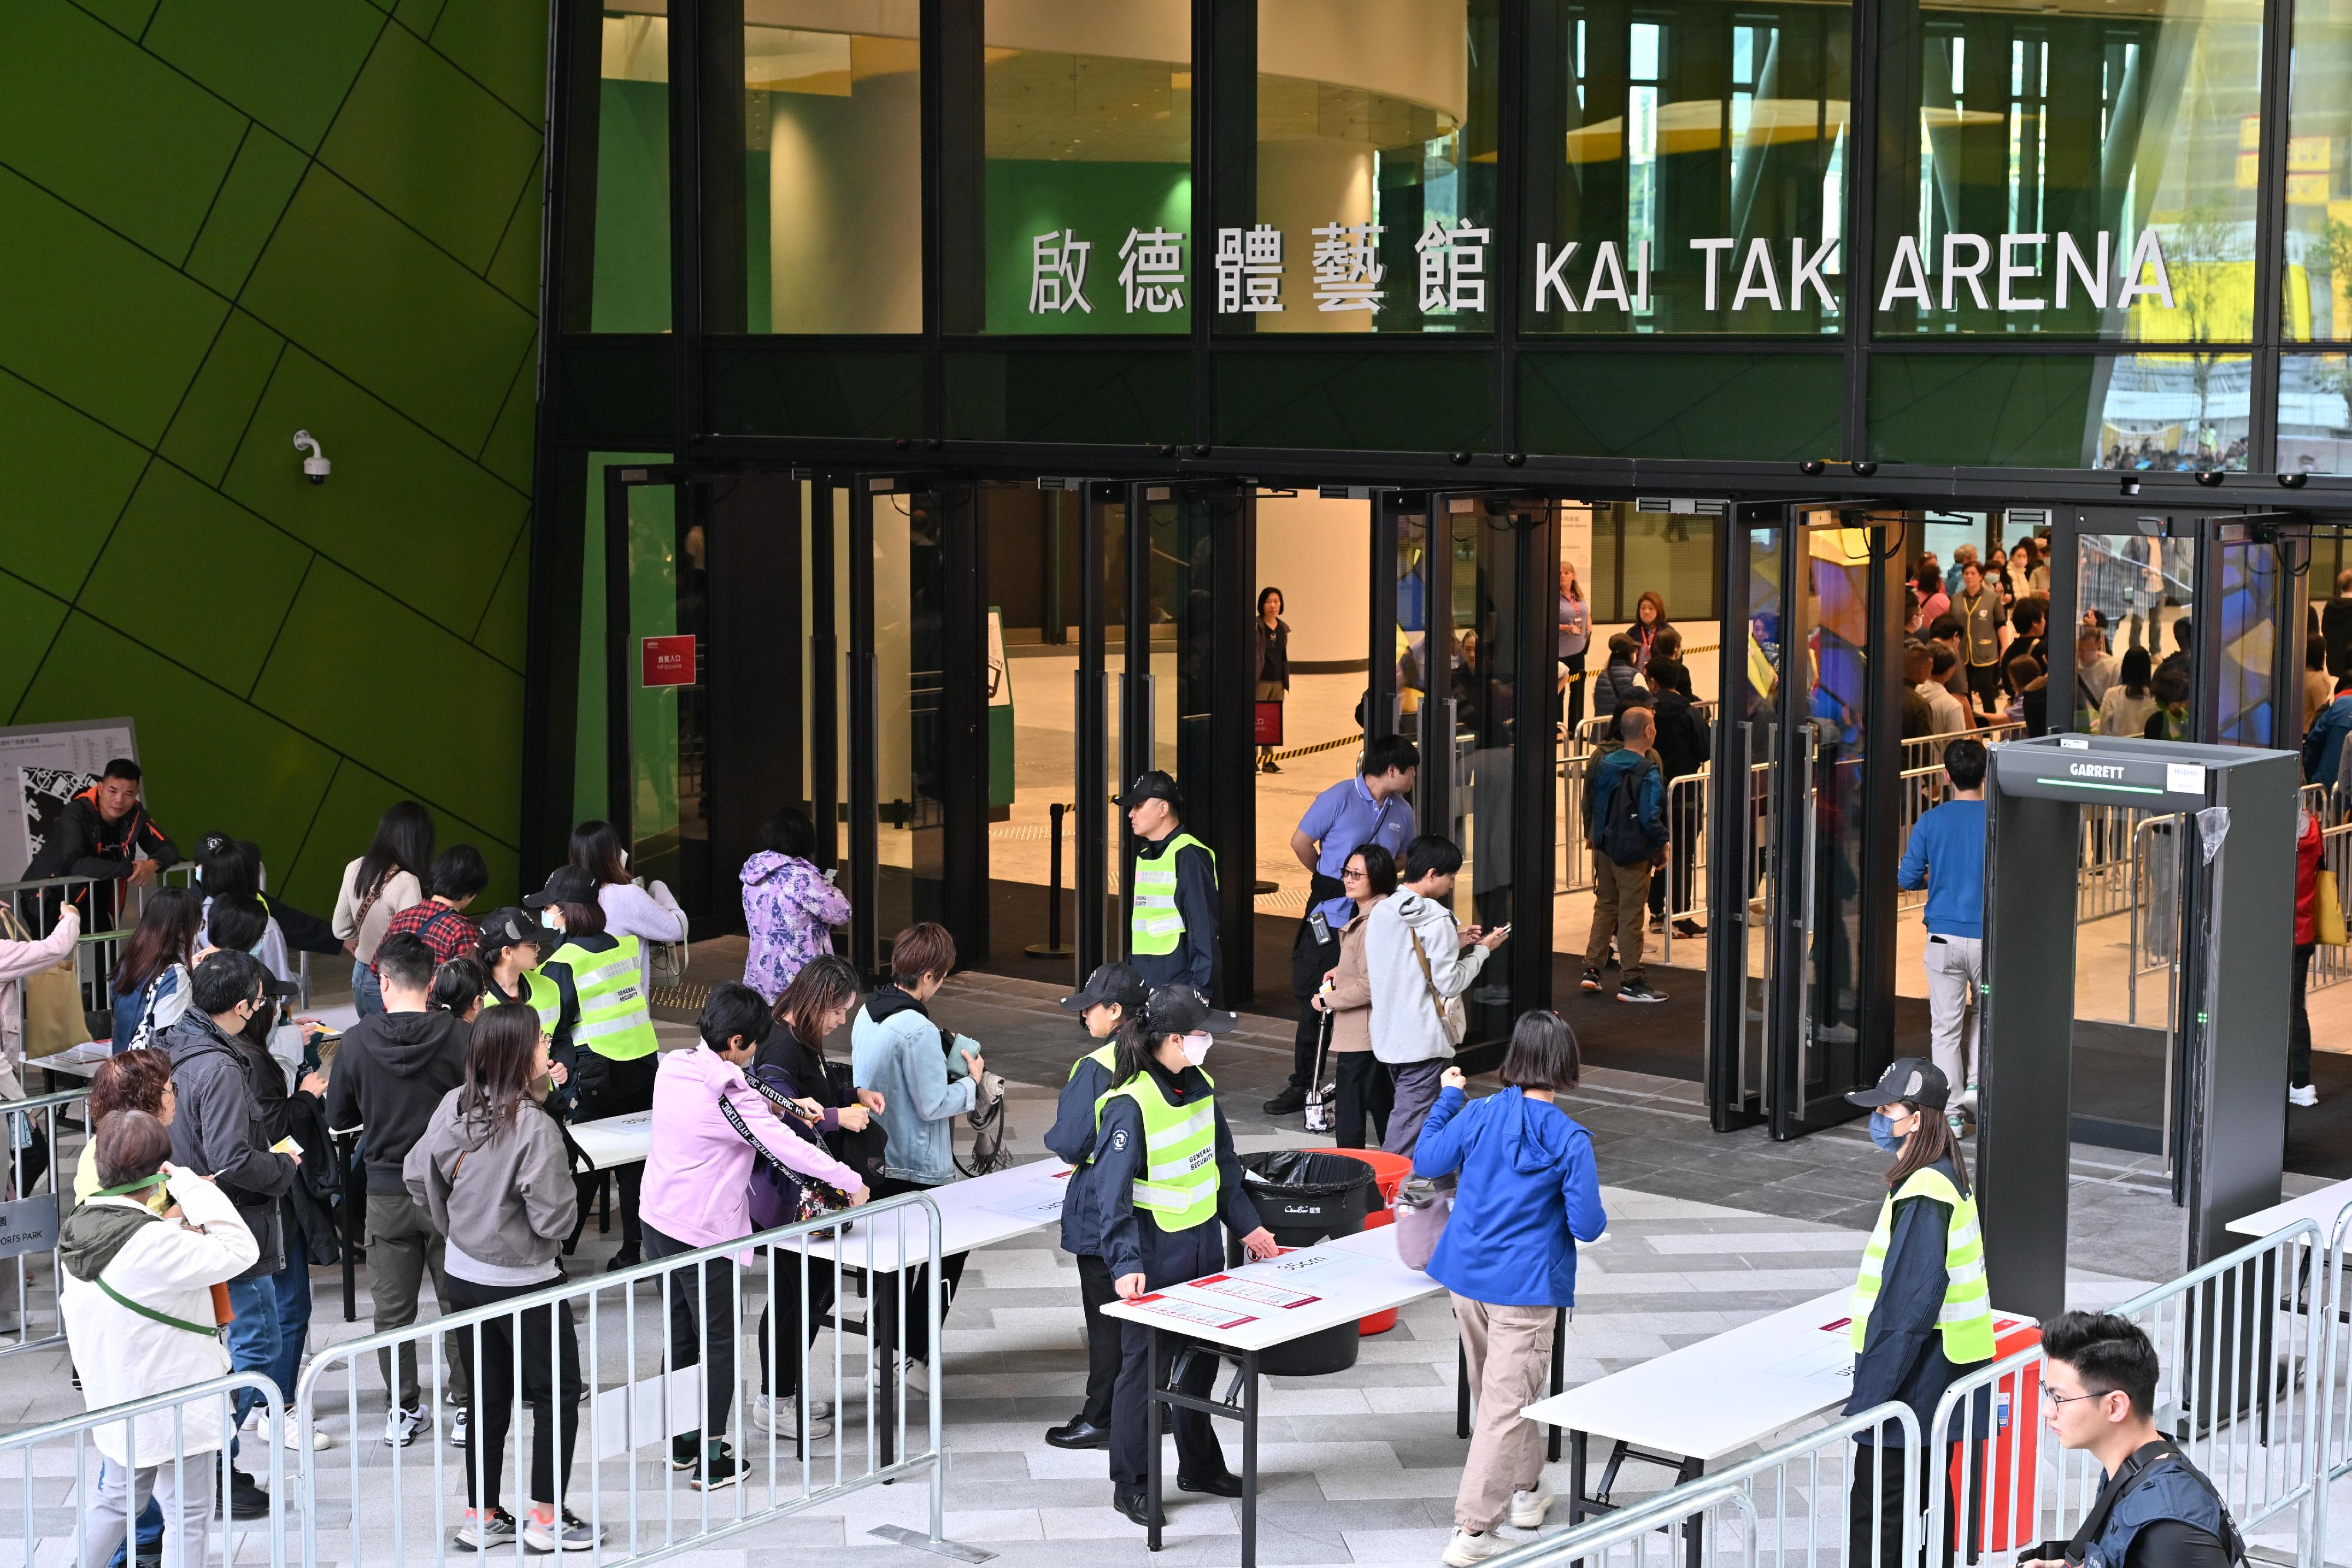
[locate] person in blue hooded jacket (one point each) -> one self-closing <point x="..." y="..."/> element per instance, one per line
<point x="1529" y="1193"/>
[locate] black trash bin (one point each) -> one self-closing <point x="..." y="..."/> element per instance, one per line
<point x="1302" y="1197"/>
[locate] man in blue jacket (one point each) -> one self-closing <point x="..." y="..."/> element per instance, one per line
<point x="1947" y="856"/>
<point x="1628" y="838"/>
<point x="2323" y="745"/>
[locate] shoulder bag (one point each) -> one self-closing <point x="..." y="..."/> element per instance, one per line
<point x="1423" y="1207"/>
<point x="1452" y="1016"/>
<point x="54" y="1021"/>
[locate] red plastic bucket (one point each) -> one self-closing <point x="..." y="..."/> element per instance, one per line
<point x="1389" y="1171"/>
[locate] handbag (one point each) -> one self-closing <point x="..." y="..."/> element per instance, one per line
<point x="2328" y="910"/>
<point x="1452" y="1016"/>
<point x="54" y="1019"/>
<point x="1423" y="1207"/>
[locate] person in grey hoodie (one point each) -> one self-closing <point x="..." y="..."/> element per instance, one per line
<point x="491" y="1171"/>
<point x="1417" y="960"/>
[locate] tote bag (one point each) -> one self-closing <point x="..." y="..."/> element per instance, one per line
<point x="54" y="1021"/>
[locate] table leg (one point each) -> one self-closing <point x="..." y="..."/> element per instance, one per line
<point x="1559" y="1368"/>
<point x="883" y="1346"/>
<point x="1151" y="1446"/>
<point x="1575" y="1461"/>
<point x="1249" y="1458"/>
<point x="1695" y="1527"/>
<point x="603" y="1202"/>
<point x="1461" y="1390"/>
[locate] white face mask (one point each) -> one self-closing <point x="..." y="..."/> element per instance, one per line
<point x="1195" y="1047"/>
<point x="551" y="917"/>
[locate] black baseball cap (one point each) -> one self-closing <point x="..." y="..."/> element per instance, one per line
<point x="1153" y="785"/>
<point x="1180" y="1009"/>
<point x="512" y="927"/>
<point x="1908" y="1080"/>
<point x="565" y="884"/>
<point x="1110" y="984"/>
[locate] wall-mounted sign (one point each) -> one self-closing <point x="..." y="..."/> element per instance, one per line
<point x="2003" y="272"/>
<point x="669" y="661"/>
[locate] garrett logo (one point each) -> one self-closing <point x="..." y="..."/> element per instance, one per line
<point x="2091" y="770"/>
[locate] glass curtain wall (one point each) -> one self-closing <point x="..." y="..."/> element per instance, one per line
<point x="1378" y="149"/>
<point x="1686" y="172"/>
<point x="833" y="168"/>
<point x="1088" y="180"/>
<point x="628" y="289"/>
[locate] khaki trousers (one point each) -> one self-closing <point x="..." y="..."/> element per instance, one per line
<point x="1509" y="1354"/>
<point x="1620" y="896"/>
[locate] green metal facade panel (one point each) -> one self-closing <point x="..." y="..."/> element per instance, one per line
<point x="223" y="221"/>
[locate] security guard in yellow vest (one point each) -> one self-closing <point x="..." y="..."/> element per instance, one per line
<point x="602" y="1031"/>
<point x="511" y="948"/>
<point x="1922" y="1312"/>
<point x="1164" y="1161"/>
<point x="1112" y="995"/>
<point x="1172" y="936"/>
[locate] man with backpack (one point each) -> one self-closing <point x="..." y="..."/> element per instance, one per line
<point x="1680" y="750"/>
<point x="1625" y="824"/>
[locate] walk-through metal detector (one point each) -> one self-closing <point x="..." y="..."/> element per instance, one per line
<point x="2229" y="1075"/>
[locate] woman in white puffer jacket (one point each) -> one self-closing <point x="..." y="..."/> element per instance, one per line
<point x="140" y="1257"/>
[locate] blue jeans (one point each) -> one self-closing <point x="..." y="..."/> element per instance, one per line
<point x="367" y="995"/>
<point x="293" y="1286"/>
<point x="253" y="1340"/>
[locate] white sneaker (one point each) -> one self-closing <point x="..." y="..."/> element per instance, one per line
<point x="2303" y="1094"/>
<point x="1528" y="1508"/>
<point x="458" y="1428"/>
<point x="297" y="1438"/>
<point x="916" y="1375"/>
<point x="402" y="1428"/>
<point x="779" y="1415"/>
<point x="1465" y="1549"/>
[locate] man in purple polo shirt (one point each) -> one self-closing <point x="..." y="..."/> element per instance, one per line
<point x="1372" y="808"/>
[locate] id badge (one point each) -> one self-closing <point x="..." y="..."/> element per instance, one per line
<point x="1320" y="926"/>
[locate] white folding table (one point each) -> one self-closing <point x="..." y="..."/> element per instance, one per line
<point x="1247" y="1310"/>
<point x="1698" y="1404"/>
<point x="2320" y="1207"/>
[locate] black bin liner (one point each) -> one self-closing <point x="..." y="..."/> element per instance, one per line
<point x="1302" y="1197"/>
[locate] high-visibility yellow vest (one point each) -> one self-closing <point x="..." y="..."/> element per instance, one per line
<point x="613" y="1022"/>
<point x="534" y="991"/>
<point x="1155" y="924"/>
<point x="1179" y="1185"/>
<point x="1966" y="1317"/>
<point x="1102" y="1058"/>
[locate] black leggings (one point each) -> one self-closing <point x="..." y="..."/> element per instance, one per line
<point x="1365" y="1088"/>
<point x="781" y="1352"/>
<point x="702" y="1308"/>
<point x="494" y="1377"/>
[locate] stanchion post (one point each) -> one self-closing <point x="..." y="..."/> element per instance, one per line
<point x="1053" y="946"/>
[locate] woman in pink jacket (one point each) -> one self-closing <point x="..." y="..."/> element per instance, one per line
<point x="710" y="1126"/>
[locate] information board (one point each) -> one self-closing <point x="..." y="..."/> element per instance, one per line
<point x="42" y="767"/>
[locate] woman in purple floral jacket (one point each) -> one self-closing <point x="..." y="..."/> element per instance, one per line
<point x="789" y="907"/>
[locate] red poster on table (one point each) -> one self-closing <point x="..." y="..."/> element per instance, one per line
<point x="669" y="661"/>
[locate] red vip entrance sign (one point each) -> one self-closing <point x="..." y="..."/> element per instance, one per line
<point x="669" y="661"/>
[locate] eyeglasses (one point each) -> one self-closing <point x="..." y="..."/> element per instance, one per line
<point x="2052" y="1398"/>
<point x="1353" y="873"/>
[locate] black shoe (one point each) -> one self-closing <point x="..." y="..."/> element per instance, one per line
<point x="1134" y="1504"/>
<point x="1079" y="1433"/>
<point x="246" y="1500"/>
<point x="1290" y="1103"/>
<point x="1225" y="1483"/>
<point x="628" y="1257"/>
<point x="1271" y="766"/>
<point x="1591" y="981"/>
<point x="1637" y="991"/>
<point x="1687" y="928"/>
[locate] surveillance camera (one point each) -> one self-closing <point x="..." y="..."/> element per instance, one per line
<point x="315" y="467"/>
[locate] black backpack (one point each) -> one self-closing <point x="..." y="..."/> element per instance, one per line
<point x="1622" y="839"/>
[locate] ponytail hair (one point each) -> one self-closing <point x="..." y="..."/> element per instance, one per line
<point x="1132" y="1050"/>
<point x="1930" y="1141"/>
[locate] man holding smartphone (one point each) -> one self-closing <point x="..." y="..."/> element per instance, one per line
<point x="1373" y="807"/>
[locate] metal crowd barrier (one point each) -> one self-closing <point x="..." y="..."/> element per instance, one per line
<point x="1785" y="1507"/>
<point x="35" y="1151"/>
<point x="2240" y="1342"/>
<point x="59" y="1469"/>
<point x="642" y="1341"/>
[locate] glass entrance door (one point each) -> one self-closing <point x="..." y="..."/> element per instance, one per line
<point x="1462" y="662"/>
<point x="1744" y="861"/>
<point x="917" y="666"/>
<point x="1840" y="708"/>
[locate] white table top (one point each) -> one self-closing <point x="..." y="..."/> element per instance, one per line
<point x="978" y="1212"/>
<point x="612" y="1141"/>
<point x="1723" y="1394"/>
<point x="1260" y="1305"/>
<point x="2321" y="1207"/>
